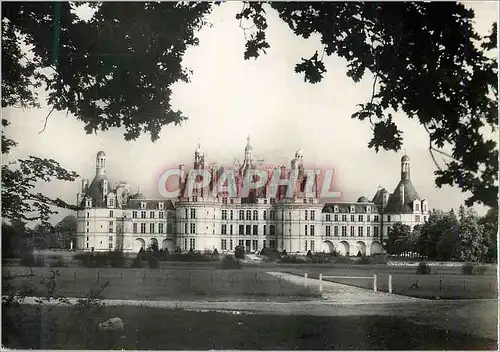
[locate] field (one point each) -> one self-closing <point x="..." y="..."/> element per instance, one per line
<point x="443" y="283"/>
<point x="149" y="328"/>
<point x="178" y="282"/>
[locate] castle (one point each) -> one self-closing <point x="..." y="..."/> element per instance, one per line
<point x="113" y="218"/>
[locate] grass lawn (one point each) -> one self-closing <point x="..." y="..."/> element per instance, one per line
<point x="149" y="328"/>
<point x="453" y="284"/>
<point x="177" y="283"/>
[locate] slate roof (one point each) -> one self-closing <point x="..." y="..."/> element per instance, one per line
<point x="151" y="204"/>
<point x="94" y="191"/>
<point x="346" y="207"/>
<point x="378" y="198"/>
<point x="394" y="204"/>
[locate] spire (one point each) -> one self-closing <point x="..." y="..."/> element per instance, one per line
<point x="100" y="163"/>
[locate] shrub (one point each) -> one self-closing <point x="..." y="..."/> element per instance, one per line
<point x="136" y="263"/>
<point x="216" y="252"/>
<point x="230" y="262"/>
<point x="239" y="252"/>
<point x="284" y="252"/>
<point x="153" y="262"/>
<point x="28" y="259"/>
<point x="423" y="269"/>
<point x="364" y="260"/>
<point x="292" y="259"/>
<point x="309" y="253"/>
<point x="60" y="263"/>
<point x="116" y="259"/>
<point x="481" y="270"/>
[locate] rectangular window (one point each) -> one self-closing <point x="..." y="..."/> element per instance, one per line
<point x="87" y="230"/>
<point x="312" y="230"/>
<point x="272" y="214"/>
<point x="160" y="215"/>
<point x="344" y="231"/>
<point x="353" y="218"/>
<point x="241" y="230"/>
<point x="255" y="231"/>
<point x="169" y="228"/>
<point x="231" y="215"/>
<point x="305" y="230"/>
<point x="231" y="244"/>
<point x="328" y="217"/>
<point x="87" y="223"/>
<point x="272" y="200"/>
<point x="368" y="218"/>
<point x="224" y="215"/>
<point x="242" y="215"/>
<point x="231" y="229"/>
<point x="375" y="231"/>
<point x="368" y="231"/>
<point x="143" y="228"/>
<point x="134" y="215"/>
<point x="312" y="246"/>
<point x="110" y="230"/>
<point x="344" y="217"/>
<point x="305" y="215"/>
<point x="192" y="228"/>
<point x="272" y="243"/>
<point x="417" y="207"/>
<point x="254" y="245"/>
<point x="111" y="213"/>
<point x="151" y="228"/>
<point x="360" y="231"/>
<point x="305" y="245"/>
<point x="417" y="218"/>
<point x="352" y="231"/>
<point x="143" y="215"/>
<point x="335" y="217"/>
<point x="327" y="230"/>
<point x="193" y="213"/>
<point x="375" y="218"/>
<point x="248" y="229"/>
<point x="388" y="218"/>
<point x="264" y="244"/>
<point x="313" y="215"/>
<point x="271" y="230"/>
<point x="111" y="223"/>
<point x="265" y="215"/>
<point x="224" y="200"/>
<point x="186" y="228"/>
<point x="241" y="243"/>
<point x="335" y="230"/>
<point x="134" y="228"/>
<point x="160" y="227"/>
<point x="185" y="244"/>
<point x="186" y="213"/>
<point x="360" y="218"/>
<point x="223" y="229"/>
<point x="223" y="244"/>
<point x="264" y="230"/>
<point x="87" y="245"/>
<point x="192" y="243"/>
<point x="152" y="214"/>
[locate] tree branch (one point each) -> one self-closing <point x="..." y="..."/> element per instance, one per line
<point x="46" y="119"/>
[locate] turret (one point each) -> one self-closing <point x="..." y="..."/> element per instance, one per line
<point x="405" y="167"/>
<point x="100" y="163"/>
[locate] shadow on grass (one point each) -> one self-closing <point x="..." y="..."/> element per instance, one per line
<point x="150" y="328"/>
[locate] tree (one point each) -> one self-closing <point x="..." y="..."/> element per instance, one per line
<point x="65" y="231"/>
<point x="490" y="228"/>
<point x="239" y="252"/>
<point x="448" y="229"/>
<point x="471" y="245"/>
<point x="13" y="238"/>
<point x="117" y="69"/>
<point x="397" y="240"/>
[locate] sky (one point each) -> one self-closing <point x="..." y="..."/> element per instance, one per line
<point x="230" y="98"/>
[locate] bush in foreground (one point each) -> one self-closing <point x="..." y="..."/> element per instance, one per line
<point x="27" y="259"/>
<point x="423" y="269"/>
<point x="471" y="269"/>
<point x="230" y="262"/>
<point x="239" y="252"/>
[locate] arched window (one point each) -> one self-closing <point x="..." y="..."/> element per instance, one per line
<point x="249" y="215"/>
<point x="255" y="215"/>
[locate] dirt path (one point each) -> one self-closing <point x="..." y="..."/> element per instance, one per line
<point x="335" y="292"/>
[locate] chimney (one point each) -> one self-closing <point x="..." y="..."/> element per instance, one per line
<point x="85" y="183"/>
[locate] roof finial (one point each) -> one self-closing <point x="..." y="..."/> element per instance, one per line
<point x="248" y="140"/>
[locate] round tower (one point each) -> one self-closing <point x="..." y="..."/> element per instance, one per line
<point x="100" y="163"/>
<point x="405" y="167"/>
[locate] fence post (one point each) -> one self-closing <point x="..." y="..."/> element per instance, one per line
<point x="305" y="279"/>
<point x="255" y="279"/>
<point x="440" y="283"/>
<point x="390" y="283"/>
<point x="74" y="275"/>
<point x="97" y="276"/>
<point x="320" y="282"/>
<point x="375" y="282"/>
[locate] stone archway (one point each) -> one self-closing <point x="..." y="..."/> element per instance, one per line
<point x="344" y="248"/>
<point x="328" y="247"/>
<point x="153" y="244"/>
<point x="360" y="248"/>
<point x="376" y="247"/>
<point x="138" y="244"/>
<point x="168" y="244"/>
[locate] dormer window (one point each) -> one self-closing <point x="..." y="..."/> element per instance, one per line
<point x="195" y="199"/>
<point x="336" y="209"/>
<point x="353" y="209"/>
<point x="368" y="209"/>
<point x="417" y="207"/>
<point x="143" y="205"/>
<point x="161" y="205"/>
